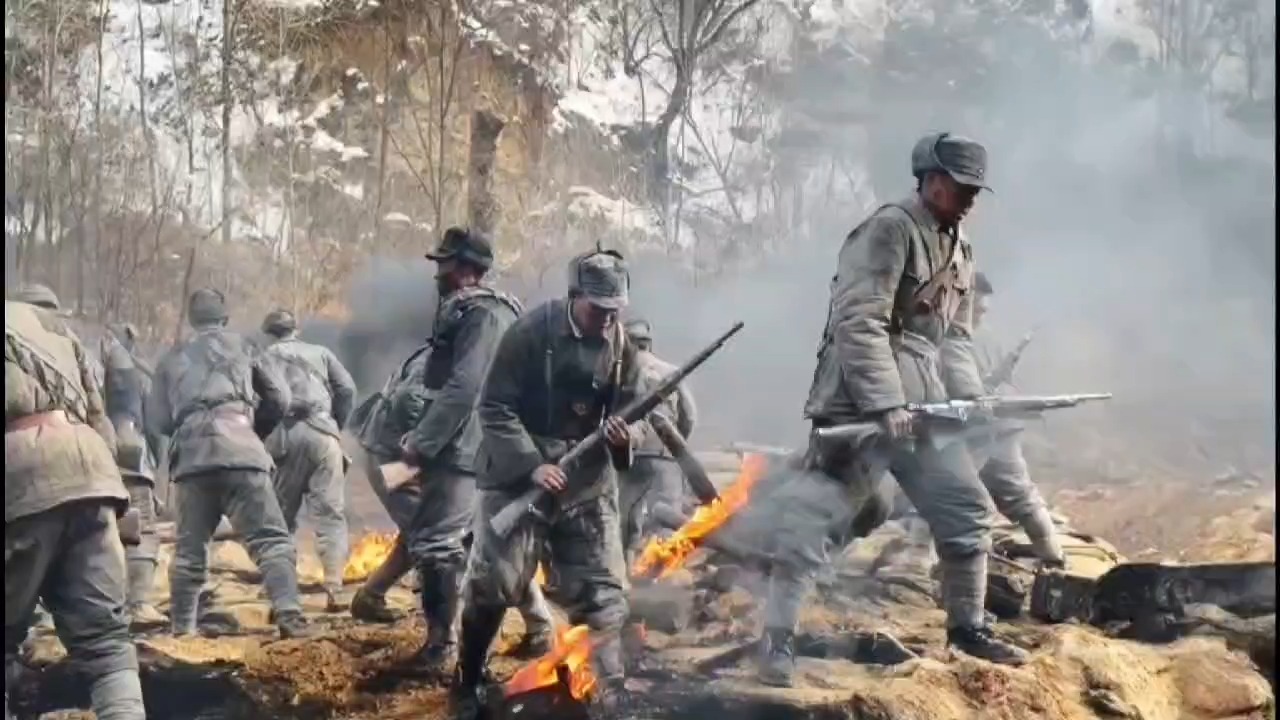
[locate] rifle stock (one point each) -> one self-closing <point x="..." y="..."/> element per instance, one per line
<point x="699" y="482"/>
<point x="505" y="520"/>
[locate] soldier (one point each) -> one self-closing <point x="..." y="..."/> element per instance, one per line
<point x="215" y="403"/>
<point x="310" y="463"/>
<point x="63" y="495"/>
<point x="898" y="331"/>
<point x="1005" y="472"/>
<point x="426" y="419"/>
<point x="654" y="477"/>
<point x="560" y="372"/>
<point x="125" y="382"/>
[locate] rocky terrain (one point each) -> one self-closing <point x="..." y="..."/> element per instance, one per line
<point x="351" y="672"/>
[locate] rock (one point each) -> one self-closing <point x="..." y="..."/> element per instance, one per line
<point x="1218" y="684"/>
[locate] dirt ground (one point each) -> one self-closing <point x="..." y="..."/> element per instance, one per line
<point x="350" y="672"/>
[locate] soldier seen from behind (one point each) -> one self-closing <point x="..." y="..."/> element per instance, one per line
<point x="63" y="499"/>
<point x="216" y="402"/>
<point x="310" y="463"/>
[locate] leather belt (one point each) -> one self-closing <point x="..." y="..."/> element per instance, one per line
<point x="52" y="418"/>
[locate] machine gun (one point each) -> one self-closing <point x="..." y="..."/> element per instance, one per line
<point x="506" y="519"/>
<point x="964" y="411"/>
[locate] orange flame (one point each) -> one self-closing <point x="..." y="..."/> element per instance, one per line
<point x="669" y="554"/>
<point x="540" y="577"/>
<point x="572" y="651"/>
<point x="367" y="554"/>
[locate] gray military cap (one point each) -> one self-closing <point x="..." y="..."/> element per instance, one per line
<point x="466" y="245"/>
<point x="963" y="159"/>
<point x="278" y="322"/>
<point x="600" y="277"/>
<point x="38" y="295"/>
<point x="206" y="306"/>
<point x="639" y="330"/>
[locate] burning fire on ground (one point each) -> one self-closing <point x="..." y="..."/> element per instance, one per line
<point x="370" y="551"/>
<point x="664" y="556"/>
<point x="572" y="652"/>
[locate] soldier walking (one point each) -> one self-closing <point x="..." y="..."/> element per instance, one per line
<point x="63" y="495"/>
<point x="125" y="381"/>
<point x="898" y="331"/>
<point x="215" y="402"/>
<point x="561" y="372"/>
<point x="310" y="463"/>
<point x="426" y="417"/>
<point x="1004" y="470"/>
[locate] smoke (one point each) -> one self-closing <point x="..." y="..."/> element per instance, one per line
<point x="1135" y="226"/>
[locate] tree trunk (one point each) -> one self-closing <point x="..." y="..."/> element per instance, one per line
<point x="482" y="207"/>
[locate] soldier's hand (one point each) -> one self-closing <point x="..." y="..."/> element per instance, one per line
<point x="407" y="453"/>
<point x="617" y="432"/>
<point x="550" y="478"/>
<point x="896" y="423"/>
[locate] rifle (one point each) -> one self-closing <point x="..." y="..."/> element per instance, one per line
<point x="699" y="483"/>
<point x="964" y="411"/>
<point x="505" y="520"/>
<point x="1003" y="372"/>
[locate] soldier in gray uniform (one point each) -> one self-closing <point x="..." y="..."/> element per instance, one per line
<point x="310" y="463"/>
<point x="1004" y="472"/>
<point x="215" y="402"/>
<point x="62" y="497"/>
<point x="560" y="372"/>
<point x="125" y="382"/>
<point x="425" y="417"/>
<point x="655" y="477"/>
<point x="470" y="320"/>
<point x="898" y="331"/>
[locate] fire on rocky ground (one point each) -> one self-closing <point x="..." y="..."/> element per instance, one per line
<point x="871" y="646"/>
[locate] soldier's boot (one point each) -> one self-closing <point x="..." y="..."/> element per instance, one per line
<point x="335" y="599"/>
<point x="479" y="628"/>
<point x="370" y="602"/>
<point x="777" y="658"/>
<point x="292" y="624"/>
<point x="980" y="642"/>
<point x="441" y="593"/>
<point x="539" y="633"/>
<point x="633" y="635"/>
<point x="142" y="575"/>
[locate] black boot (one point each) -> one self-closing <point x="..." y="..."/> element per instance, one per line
<point x="441" y="593"/>
<point x="980" y="642"/>
<point x="777" y="658"/>
<point x="479" y="627"/>
<point x="370" y="601"/>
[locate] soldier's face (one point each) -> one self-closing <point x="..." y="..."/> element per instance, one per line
<point x="593" y="320"/>
<point x="447" y="276"/>
<point x="948" y="199"/>
<point x="980" y="309"/>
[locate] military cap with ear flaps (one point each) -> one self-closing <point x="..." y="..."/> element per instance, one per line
<point x="963" y="159"/>
<point x="601" y="277"/>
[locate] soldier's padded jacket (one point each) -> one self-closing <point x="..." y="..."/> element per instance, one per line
<point x="469" y="324"/>
<point x="898" y="326"/>
<point x="45" y="369"/>
<point x="679" y="406"/>
<point x="549" y="387"/>
<point x="210" y="396"/>
<point x="321" y="391"/>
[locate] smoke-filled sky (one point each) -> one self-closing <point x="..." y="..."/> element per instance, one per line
<point x="1151" y="275"/>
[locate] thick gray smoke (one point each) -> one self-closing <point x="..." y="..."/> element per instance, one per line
<point x="1149" y="268"/>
